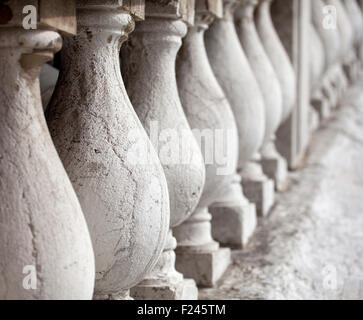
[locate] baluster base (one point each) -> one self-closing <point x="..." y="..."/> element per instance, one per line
<point x="276" y="170"/>
<point x="205" y="267"/>
<point x="234" y="217"/>
<point x="261" y="193"/>
<point x="185" y="289"/>
<point x="233" y="225"/>
<point x="164" y="282"/>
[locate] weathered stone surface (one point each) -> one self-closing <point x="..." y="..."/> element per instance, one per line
<point x="233" y="225"/>
<point x="291" y="20"/>
<point x="234" y="74"/>
<point x="151" y="84"/>
<point x="207" y="267"/>
<point x="96" y="132"/>
<point x="238" y="82"/>
<point x="317" y="59"/>
<point x="42" y="224"/>
<point x="276" y="169"/>
<point x="212" y="120"/>
<point x="277" y="54"/>
<point x="184" y="289"/>
<point x="57" y="15"/>
<point x="261" y="193"/>
<point x="234" y="217"/>
<point x="344" y="28"/>
<point x="261" y="66"/>
<point x="319" y="102"/>
<point x="173" y="9"/>
<point x="330" y="37"/>
<point x="356" y="18"/>
<point x="266" y="78"/>
<point x="313" y="238"/>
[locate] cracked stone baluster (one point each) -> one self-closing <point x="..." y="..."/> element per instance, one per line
<point x="330" y="38"/>
<point x="355" y="16"/>
<point x="199" y="256"/>
<point x="211" y="117"/>
<point x="152" y="87"/>
<point x="43" y="232"/>
<point x="114" y="169"/>
<point x="273" y="165"/>
<point x="346" y="31"/>
<point x="236" y="78"/>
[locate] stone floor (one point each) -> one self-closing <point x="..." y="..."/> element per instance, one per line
<point x="311" y="246"/>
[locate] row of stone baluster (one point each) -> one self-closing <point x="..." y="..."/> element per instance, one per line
<point x="119" y="186"/>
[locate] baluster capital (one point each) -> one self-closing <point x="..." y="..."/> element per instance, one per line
<point x="171" y="9"/>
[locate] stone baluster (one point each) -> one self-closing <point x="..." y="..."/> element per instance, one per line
<point x="211" y="118"/>
<point x="278" y="28"/>
<point x="199" y="256"/>
<point x="234" y="74"/>
<point x="355" y="16"/>
<point x="114" y="169"/>
<point x="152" y="87"/>
<point x="278" y="56"/>
<point x="291" y="20"/>
<point x="345" y="30"/>
<point x="273" y="164"/>
<point x="347" y="54"/>
<point x="331" y="41"/>
<point x="317" y="68"/>
<point x="43" y="233"/>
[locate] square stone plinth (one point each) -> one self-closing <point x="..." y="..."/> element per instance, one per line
<point x="233" y="225"/>
<point x="261" y="193"/>
<point x="182" y="290"/>
<point x="206" y="268"/>
<point x="276" y="169"/>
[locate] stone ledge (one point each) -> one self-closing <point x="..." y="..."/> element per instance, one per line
<point x="314" y="234"/>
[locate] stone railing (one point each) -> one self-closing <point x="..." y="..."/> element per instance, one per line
<point x="169" y="127"/>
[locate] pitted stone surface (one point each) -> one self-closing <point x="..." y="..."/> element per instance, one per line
<point x="314" y="235"/>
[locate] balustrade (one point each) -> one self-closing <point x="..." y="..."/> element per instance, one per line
<point x="43" y="233"/>
<point x="103" y="145"/>
<point x="151" y="84"/>
<point x="234" y="74"/>
<point x="212" y="120"/>
<point x="273" y="165"/>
